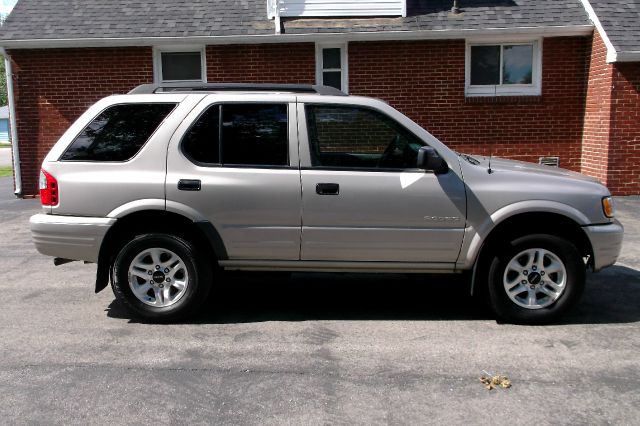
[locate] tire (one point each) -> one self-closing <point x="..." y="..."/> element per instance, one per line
<point x="161" y="278"/>
<point x="535" y="279"/>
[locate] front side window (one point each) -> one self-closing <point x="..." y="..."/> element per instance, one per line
<point x="180" y="66"/>
<point x="503" y="69"/>
<point x="240" y="134"/>
<point x="356" y="137"/>
<point x="118" y="133"/>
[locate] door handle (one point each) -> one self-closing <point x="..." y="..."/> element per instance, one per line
<point x="327" y="189"/>
<point x="189" y="185"/>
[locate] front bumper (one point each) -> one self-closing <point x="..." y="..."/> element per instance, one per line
<point x="606" y="241"/>
<point x="69" y="237"/>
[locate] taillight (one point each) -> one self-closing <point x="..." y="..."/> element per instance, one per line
<point x="48" y="189"/>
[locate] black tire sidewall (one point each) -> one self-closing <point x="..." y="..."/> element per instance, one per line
<point x="196" y="291"/>
<point x="506" y="309"/>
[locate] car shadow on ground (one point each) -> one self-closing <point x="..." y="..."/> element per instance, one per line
<point x="611" y="296"/>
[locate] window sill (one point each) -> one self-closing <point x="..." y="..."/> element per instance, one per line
<point x="502" y="99"/>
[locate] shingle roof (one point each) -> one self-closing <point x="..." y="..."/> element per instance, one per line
<point x="60" y="19"/>
<point x="74" y="19"/>
<point x="621" y="22"/>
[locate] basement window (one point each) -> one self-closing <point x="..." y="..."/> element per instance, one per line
<point x="331" y="66"/>
<point x="503" y="69"/>
<point x="180" y="65"/>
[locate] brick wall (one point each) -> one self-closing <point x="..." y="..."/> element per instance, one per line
<point x="425" y="80"/>
<point x="624" y="141"/>
<point x="293" y="63"/>
<point x="54" y="86"/>
<point x="595" y="143"/>
<point x="611" y="141"/>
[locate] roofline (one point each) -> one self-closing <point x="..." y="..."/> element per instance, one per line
<point x="612" y="55"/>
<point x="550" y="31"/>
<point x="628" y="56"/>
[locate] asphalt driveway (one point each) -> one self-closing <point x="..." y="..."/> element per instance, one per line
<point x="314" y="349"/>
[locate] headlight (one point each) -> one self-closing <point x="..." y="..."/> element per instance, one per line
<point x="607" y="206"/>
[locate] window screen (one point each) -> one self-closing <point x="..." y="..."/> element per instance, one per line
<point x="252" y="135"/>
<point x="181" y="66"/>
<point x="118" y="133"/>
<point x="353" y="137"/>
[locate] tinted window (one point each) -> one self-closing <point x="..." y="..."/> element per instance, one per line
<point x="255" y="134"/>
<point x="118" y="133"/>
<point x="351" y="137"/>
<point x="201" y="143"/>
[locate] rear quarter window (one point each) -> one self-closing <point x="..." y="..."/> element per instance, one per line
<point x="118" y="133"/>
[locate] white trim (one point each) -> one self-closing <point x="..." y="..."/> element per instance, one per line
<point x="533" y="89"/>
<point x="157" y="61"/>
<point x="13" y="128"/>
<point x="344" y="63"/>
<point x="555" y="31"/>
<point x="611" y="51"/>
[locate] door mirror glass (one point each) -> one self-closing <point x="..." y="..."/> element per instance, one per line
<point x="430" y="160"/>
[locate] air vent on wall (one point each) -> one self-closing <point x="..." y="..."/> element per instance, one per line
<point x="550" y="161"/>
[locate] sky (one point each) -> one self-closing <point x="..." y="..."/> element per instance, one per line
<point x="6" y="6"/>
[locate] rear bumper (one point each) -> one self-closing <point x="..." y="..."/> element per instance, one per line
<point x="606" y="241"/>
<point x="69" y="237"/>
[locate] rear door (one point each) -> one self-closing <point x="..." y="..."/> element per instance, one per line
<point x="235" y="164"/>
<point x="363" y="197"/>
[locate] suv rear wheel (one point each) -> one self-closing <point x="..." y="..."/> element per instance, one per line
<point x="161" y="277"/>
<point x="534" y="279"/>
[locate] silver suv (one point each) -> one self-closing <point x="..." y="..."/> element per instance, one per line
<point x="168" y="185"/>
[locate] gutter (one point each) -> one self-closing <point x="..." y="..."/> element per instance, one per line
<point x="628" y="56"/>
<point x="552" y="31"/>
<point x="12" y="124"/>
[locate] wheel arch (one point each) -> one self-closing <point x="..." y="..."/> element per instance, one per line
<point x="522" y="224"/>
<point x="200" y="232"/>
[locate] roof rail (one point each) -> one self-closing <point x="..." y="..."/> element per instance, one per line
<point x="244" y="87"/>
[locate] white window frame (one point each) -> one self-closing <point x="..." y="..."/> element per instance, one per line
<point x="157" y="62"/>
<point x="533" y="89"/>
<point x="344" y="62"/>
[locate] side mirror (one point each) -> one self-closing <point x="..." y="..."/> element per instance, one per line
<point x="430" y="160"/>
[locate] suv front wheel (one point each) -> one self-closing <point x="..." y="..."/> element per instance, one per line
<point x="161" y="277"/>
<point x="535" y="278"/>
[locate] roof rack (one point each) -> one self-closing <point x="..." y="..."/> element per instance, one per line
<point x="244" y="87"/>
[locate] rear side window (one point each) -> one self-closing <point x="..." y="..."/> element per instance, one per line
<point x="118" y="133"/>
<point x="240" y="135"/>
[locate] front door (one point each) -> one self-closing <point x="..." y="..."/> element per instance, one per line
<point x="363" y="197"/>
<point x="237" y="167"/>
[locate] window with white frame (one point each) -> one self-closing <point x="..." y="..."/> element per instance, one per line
<point x="180" y="65"/>
<point x="331" y="66"/>
<point x="503" y="69"/>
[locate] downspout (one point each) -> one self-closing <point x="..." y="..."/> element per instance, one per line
<point x="12" y="124"/>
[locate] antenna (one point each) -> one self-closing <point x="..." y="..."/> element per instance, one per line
<point x="490" y="156"/>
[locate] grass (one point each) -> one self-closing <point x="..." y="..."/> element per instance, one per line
<point x="6" y="171"/>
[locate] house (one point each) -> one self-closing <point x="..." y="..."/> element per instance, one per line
<point x="535" y="80"/>
<point x="4" y="124"/>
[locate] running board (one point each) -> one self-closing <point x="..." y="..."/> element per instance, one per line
<point x="330" y="266"/>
